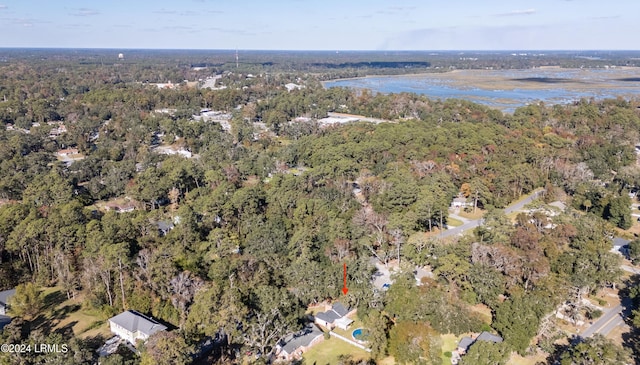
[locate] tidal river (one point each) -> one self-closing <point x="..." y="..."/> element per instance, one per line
<point x="509" y="89"/>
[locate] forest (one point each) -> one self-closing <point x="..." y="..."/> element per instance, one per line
<point x="237" y="239"/>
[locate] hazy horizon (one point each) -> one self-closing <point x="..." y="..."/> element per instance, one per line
<point x="295" y="25"/>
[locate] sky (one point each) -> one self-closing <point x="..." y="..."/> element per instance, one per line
<point x="322" y="24"/>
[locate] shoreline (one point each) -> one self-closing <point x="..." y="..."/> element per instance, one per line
<point x="540" y="79"/>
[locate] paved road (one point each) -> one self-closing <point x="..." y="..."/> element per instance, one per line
<point x="611" y="319"/>
<point x="630" y="269"/>
<point x="475" y="223"/>
<point x="602" y="322"/>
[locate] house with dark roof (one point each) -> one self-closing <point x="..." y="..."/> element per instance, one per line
<point x="489" y="337"/>
<point x="337" y="316"/>
<point x="4" y="320"/>
<point x="294" y="345"/>
<point x="133" y="326"/>
<point x="4" y="300"/>
<point x="466" y="342"/>
<point x="620" y="246"/>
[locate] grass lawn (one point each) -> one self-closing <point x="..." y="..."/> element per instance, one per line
<point x="449" y="343"/>
<point x="471" y="215"/>
<point x="328" y="351"/>
<point x="454" y="222"/>
<point x="355" y="325"/>
<point x="387" y="361"/>
<point x="516" y="359"/>
<point x="62" y="314"/>
<point x="484" y="312"/>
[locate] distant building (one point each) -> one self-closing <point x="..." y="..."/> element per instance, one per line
<point x="460" y="202"/>
<point x="5" y="296"/>
<point x="4" y="320"/>
<point x="164" y="227"/>
<point x="67" y="152"/>
<point x="291" y="86"/>
<point x="133" y="326"/>
<point x="620" y="246"/>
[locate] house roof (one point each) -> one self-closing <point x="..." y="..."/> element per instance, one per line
<point x="299" y="339"/>
<point x="489" y="337"/>
<point x="5" y="295"/>
<point x="343" y="322"/>
<point x="340" y="309"/>
<point x="465" y="342"/>
<point x="133" y="322"/>
<point x="4" y="320"/>
<point x="337" y="311"/>
<point x="620" y="242"/>
<point x="328" y="316"/>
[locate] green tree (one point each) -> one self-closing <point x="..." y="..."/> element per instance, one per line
<point x="596" y="350"/>
<point x="166" y="348"/>
<point x="27" y="301"/>
<point x="634" y="251"/>
<point x="378" y="325"/>
<point x="517" y="320"/>
<point x="618" y="212"/>
<point x="486" y="353"/>
<point x="414" y="343"/>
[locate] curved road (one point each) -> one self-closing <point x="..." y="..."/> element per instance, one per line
<point x="475" y="223"/>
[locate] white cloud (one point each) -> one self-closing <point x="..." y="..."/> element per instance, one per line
<point x="85" y="12"/>
<point x="518" y="12"/>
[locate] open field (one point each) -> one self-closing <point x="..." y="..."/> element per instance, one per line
<point x="62" y="314"/>
<point x="516" y="359"/>
<point x="449" y="343"/>
<point x="472" y="215"/>
<point x="329" y="351"/>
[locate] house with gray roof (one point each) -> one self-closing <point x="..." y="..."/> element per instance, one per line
<point x="133" y="326"/>
<point x="489" y="337"/>
<point x="620" y="246"/>
<point x="337" y="316"/>
<point x="466" y="342"/>
<point x="294" y="345"/>
<point x="4" y="320"/>
<point x="4" y="300"/>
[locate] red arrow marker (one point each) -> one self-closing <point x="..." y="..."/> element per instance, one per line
<point x="344" y="288"/>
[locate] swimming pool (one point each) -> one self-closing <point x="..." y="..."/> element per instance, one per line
<point x="360" y="334"/>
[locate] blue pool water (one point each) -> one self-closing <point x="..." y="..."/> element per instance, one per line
<point x="360" y="334"/>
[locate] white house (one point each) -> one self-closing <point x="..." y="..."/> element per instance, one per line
<point x="133" y="326"/>
<point x="460" y="202"/>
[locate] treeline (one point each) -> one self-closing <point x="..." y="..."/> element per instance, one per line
<point x="241" y="238"/>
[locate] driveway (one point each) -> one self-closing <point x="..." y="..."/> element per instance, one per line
<point x="458" y="231"/>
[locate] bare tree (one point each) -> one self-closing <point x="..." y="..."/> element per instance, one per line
<point x="184" y="287"/>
